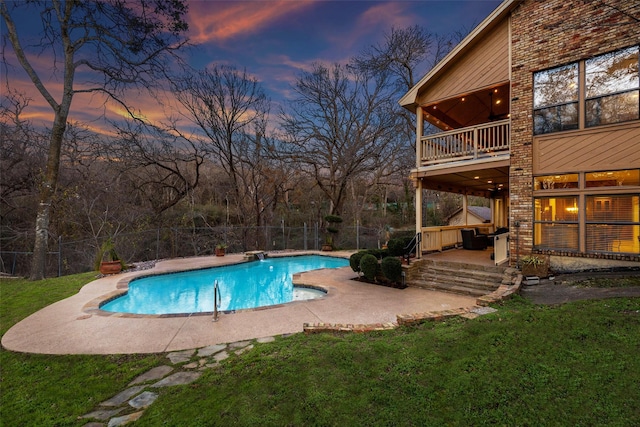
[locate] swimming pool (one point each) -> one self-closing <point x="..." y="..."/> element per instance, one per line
<point x="241" y="286"/>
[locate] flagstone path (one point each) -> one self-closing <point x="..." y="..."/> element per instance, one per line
<point x="184" y="367"/>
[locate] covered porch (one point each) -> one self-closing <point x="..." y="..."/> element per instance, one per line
<point x="459" y="255"/>
<point x="469" y="155"/>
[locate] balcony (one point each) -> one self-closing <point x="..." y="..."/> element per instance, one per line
<point x="485" y="141"/>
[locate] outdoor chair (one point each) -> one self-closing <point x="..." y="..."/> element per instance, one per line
<point x="473" y="241"/>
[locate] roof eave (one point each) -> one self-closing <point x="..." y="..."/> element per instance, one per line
<point x="409" y="100"/>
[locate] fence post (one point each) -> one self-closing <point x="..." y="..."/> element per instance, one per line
<point x="157" y="243"/>
<point x="315" y="245"/>
<point x="305" y="236"/>
<point x="358" y="234"/>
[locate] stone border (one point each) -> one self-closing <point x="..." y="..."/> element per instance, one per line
<point x="94" y="307"/>
<point x="505" y="291"/>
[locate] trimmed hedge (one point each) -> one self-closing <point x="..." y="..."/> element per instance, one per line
<point x="369" y="266"/>
<point x="396" y="245"/>
<point x="392" y="269"/>
<point x="354" y="260"/>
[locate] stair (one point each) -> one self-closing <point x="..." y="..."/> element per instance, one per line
<point x="455" y="277"/>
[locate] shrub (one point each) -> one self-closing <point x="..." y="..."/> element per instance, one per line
<point x="369" y="266"/>
<point x="396" y="247"/>
<point x="333" y="219"/>
<point x="392" y="269"/>
<point x="397" y="244"/>
<point x="354" y="260"/>
<point x="378" y="253"/>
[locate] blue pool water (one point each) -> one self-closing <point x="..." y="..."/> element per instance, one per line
<point x="241" y="286"/>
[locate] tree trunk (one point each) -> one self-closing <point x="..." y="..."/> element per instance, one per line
<point x="47" y="191"/>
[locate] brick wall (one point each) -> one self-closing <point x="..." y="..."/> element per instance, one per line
<point x="546" y="34"/>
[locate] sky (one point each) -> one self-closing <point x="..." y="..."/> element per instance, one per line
<point x="274" y="40"/>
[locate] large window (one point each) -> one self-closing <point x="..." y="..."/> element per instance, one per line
<point x="556" y="223"/>
<point x="613" y="223"/>
<point x="555" y="99"/>
<point x="612" y="83"/>
<point x="608" y="84"/>
<point x="605" y="204"/>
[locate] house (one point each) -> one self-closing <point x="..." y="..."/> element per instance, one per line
<point x="538" y="109"/>
<point x="474" y="215"/>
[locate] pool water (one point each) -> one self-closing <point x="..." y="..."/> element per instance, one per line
<point x="241" y="286"/>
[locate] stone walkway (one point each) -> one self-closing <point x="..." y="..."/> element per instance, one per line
<point x="184" y="367"/>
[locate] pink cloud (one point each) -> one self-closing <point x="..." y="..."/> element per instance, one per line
<point x="368" y="29"/>
<point x="220" y="21"/>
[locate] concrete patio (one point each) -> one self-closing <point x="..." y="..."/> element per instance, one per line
<point x="76" y="326"/>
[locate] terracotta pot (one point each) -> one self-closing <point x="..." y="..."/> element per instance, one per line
<point x="110" y="267"/>
<point x="220" y="251"/>
<point x="327" y="248"/>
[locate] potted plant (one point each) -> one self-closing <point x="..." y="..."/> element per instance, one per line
<point x="221" y="249"/>
<point x="108" y="259"/>
<point x="535" y="265"/>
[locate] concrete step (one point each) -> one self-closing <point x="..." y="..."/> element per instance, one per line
<point x="446" y="287"/>
<point x="448" y="273"/>
<point x="460" y="278"/>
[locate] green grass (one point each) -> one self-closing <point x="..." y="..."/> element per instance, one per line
<point x="574" y="364"/>
<point x="605" y="282"/>
<point x="45" y="390"/>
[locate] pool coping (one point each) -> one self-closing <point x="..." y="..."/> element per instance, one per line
<point x="93" y="307"/>
<point x="65" y="328"/>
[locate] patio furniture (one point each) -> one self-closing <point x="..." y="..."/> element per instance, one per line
<point x="473" y="241"/>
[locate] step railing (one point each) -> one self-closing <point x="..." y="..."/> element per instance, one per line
<point x="411" y="247"/>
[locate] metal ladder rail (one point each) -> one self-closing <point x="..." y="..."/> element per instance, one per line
<point x="216" y="301"/>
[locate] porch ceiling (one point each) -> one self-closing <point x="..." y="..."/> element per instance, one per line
<point x="477" y="180"/>
<point x="471" y="109"/>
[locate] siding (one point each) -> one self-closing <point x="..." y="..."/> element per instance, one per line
<point x="485" y="65"/>
<point x="608" y="148"/>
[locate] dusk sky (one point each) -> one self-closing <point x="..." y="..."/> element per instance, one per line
<point x="274" y="39"/>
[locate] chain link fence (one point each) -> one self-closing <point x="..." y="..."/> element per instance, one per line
<point x="70" y="257"/>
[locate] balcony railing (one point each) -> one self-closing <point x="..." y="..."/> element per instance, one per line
<point x="475" y="142"/>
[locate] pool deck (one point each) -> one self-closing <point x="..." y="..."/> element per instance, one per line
<point x="76" y="326"/>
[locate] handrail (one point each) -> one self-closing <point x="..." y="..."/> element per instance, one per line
<point x="216" y="303"/>
<point x="411" y="246"/>
<point x="471" y="142"/>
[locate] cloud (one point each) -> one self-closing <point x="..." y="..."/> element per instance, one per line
<point x="372" y="24"/>
<point x="221" y="21"/>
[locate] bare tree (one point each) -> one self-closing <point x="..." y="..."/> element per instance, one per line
<point x="230" y="110"/>
<point x="406" y="53"/>
<point x="162" y="167"/>
<point x="118" y="43"/>
<point x="339" y="126"/>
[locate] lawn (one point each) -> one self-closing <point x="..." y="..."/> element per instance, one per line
<point x="575" y="364"/>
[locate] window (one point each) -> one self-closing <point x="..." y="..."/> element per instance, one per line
<point x="613" y="223"/>
<point x="622" y="178"/>
<point x="555" y="99"/>
<point x="604" y="204"/>
<point x="612" y="87"/>
<point x="609" y="85"/>
<point x="550" y="182"/>
<point x="556" y="223"/>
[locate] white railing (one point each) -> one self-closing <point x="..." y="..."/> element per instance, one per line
<point x="473" y="142"/>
